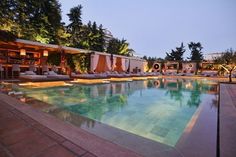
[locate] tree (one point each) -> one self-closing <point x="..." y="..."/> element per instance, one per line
<point x="96" y="40"/>
<point x="32" y="20"/>
<point x="120" y="47"/>
<point x="228" y="62"/>
<point x="75" y="27"/>
<point x="7" y="36"/>
<point x="176" y="55"/>
<point x="229" y="69"/>
<point x="196" y="54"/>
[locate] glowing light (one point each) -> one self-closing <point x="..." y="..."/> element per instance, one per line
<point x="45" y="53"/>
<point x="88" y="81"/>
<point x="22" y="52"/>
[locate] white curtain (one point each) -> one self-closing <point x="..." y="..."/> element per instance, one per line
<point x="114" y="63"/>
<point x="123" y="60"/>
<point x="94" y="61"/>
<point x="126" y="64"/>
<point x="108" y="60"/>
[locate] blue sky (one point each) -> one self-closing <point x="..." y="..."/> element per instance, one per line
<point x="153" y="27"/>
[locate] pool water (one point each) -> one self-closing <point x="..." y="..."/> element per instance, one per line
<point x="158" y="110"/>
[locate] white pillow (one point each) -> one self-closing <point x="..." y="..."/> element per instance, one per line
<point x="29" y="73"/>
<point x="52" y="73"/>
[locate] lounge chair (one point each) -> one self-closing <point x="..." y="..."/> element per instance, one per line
<point x="53" y="75"/>
<point x="209" y="73"/>
<point x="83" y="76"/>
<point x="171" y="72"/>
<point x="31" y="76"/>
<point x="115" y="74"/>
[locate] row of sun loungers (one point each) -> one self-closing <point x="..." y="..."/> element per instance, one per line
<point x="112" y="75"/>
<point x="53" y="76"/>
<point x="49" y="76"/>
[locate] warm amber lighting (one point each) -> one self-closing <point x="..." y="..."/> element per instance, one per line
<point x="88" y="81"/>
<point x="45" y="84"/>
<point x="45" y="53"/>
<point x="22" y="52"/>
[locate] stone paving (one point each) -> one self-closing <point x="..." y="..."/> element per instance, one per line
<point x="21" y="136"/>
<point x="227" y="121"/>
<point x="27" y="132"/>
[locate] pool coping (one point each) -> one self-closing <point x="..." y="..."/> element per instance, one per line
<point x="227" y="120"/>
<point x="98" y="145"/>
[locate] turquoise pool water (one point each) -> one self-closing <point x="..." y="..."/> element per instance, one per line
<point x="154" y="109"/>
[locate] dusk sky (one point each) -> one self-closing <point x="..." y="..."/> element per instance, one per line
<point x="153" y="27"/>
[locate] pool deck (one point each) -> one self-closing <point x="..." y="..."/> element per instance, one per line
<point x="227" y="120"/>
<point x="22" y="136"/>
<point x="25" y="131"/>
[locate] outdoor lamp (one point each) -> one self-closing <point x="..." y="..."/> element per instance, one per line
<point x="22" y="52"/>
<point x="45" y="53"/>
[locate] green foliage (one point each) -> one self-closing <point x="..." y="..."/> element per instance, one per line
<point x="228" y="57"/>
<point x="120" y="47"/>
<point x="152" y="60"/>
<point x="228" y="62"/>
<point x="176" y="55"/>
<point x="54" y="59"/>
<point x="74" y="28"/>
<point x="41" y="21"/>
<point x="32" y="20"/>
<point x="82" y="62"/>
<point x="7" y="36"/>
<point x="196" y="54"/>
<point x="70" y="62"/>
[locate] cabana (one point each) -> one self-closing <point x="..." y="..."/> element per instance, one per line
<point x="189" y="68"/>
<point x="171" y="68"/>
<point x="157" y="67"/>
<point x="209" y="69"/>
<point x="23" y="55"/>
<point x="104" y="62"/>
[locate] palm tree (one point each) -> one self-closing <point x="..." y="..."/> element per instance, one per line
<point x="120" y="47"/>
<point x="196" y="54"/>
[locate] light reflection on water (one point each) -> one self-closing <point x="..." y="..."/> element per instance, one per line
<point x="155" y="109"/>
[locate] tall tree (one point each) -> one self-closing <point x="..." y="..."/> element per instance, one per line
<point x="196" y="54"/>
<point x="176" y="55"/>
<point x="96" y="41"/>
<point x="75" y="27"/>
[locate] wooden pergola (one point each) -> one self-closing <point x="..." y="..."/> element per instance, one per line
<point x="25" y="53"/>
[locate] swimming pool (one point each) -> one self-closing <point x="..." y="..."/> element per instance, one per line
<point x="158" y="110"/>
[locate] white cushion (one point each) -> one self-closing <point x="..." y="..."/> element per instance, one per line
<point x="52" y="73"/>
<point x="29" y="73"/>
